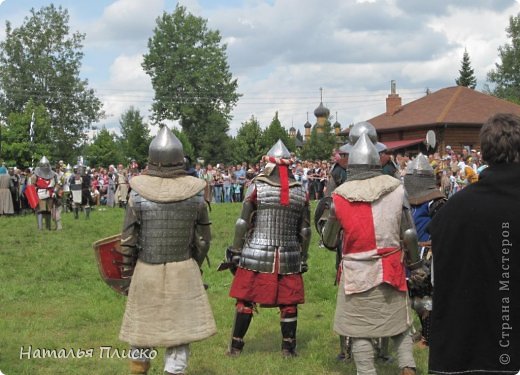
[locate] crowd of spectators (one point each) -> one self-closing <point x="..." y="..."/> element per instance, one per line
<point x="229" y="183"/>
<point x="108" y="186"/>
<point x="454" y="171"/>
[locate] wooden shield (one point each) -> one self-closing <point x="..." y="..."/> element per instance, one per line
<point x="110" y="263"/>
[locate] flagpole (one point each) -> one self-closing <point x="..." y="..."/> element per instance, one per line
<point x="31" y="136"/>
<point x="1" y="122"/>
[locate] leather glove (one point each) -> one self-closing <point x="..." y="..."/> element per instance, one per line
<point x="304" y="267"/>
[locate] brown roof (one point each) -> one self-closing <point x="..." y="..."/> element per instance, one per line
<point x="451" y="105"/>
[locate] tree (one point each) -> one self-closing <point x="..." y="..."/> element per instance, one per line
<point x="214" y="143"/>
<point x="273" y="133"/>
<point x="103" y="150"/>
<point x="190" y="75"/>
<point x="467" y="74"/>
<point x="135" y="136"/>
<point x="41" y="61"/>
<point x="320" y="144"/>
<point x="186" y="145"/>
<point x="17" y="147"/>
<point x="506" y="75"/>
<point x="247" y="144"/>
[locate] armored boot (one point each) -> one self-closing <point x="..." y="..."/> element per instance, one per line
<point x="39" y="217"/>
<point x="242" y="321"/>
<point x="76" y="212"/>
<point x="288" y="327"/>
<point x="139" y="367"/>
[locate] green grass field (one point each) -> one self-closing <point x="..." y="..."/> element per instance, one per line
<point x="51" y="297"/>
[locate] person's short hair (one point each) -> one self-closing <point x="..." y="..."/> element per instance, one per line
<point x="500" y="139"/>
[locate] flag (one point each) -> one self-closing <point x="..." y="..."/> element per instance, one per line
<point x="31" y="130"/>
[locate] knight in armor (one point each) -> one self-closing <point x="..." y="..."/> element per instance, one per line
<point x="47" y="184"/>
<point x="339" y="174"/>
<point x="425" y="201"/>
<point x="80" y="188"/>
<point x="166" y="233"/>
<point x="371" y="211"/>
<point x="270" y="245"/>
<point x="121" y="186"/>
<point x="65" y="182"/>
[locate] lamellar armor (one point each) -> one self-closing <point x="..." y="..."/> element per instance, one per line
<point x="274" y="231"/>
<point x="276" y="228"/>
<point x="168" y="232"/>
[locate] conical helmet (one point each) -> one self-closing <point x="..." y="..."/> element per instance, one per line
<point x="421" y="166"/>
<point x="44" y="169"/>
<point x="363" y="159"/>
<point x="419" y="181"/>
<point x="165" y="149"/>
<point x="364" y="153"/>
<point x="356" y="131"/>
<point x="279" y="151"/>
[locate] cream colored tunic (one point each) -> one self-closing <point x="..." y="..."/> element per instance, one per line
<point x="6" y="200"/>
<point x="382" y="311"/>
<point x="167" y="306"/>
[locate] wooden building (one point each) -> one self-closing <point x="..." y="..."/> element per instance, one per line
<point x="455" y="114"/>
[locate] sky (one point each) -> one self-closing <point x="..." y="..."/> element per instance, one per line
<point x="283" y="51"/>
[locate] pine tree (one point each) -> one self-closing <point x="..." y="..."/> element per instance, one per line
<point x="467" y="74"/>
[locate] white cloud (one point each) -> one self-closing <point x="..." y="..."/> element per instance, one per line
<point x="128" y="86"/>
<point x="125" y="20"/>
<point x="283" y="51"/>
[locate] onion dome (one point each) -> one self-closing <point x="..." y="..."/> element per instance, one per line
<point x="321" y="111"/>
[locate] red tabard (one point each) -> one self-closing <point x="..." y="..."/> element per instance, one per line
<point x="372" y="240"/>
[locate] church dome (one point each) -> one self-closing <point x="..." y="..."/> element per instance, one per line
<point x="321" y="111"/>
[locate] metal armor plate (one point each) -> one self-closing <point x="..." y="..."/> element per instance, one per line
<point x="167" y="230"/>
<point x="276" y="227"/>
